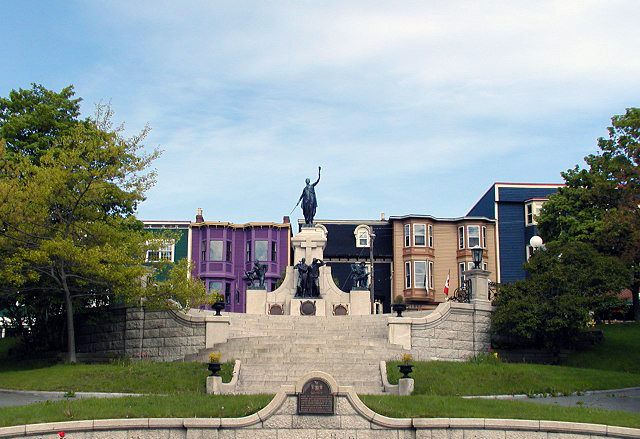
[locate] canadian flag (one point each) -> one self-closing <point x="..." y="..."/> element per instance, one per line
<point x="446" y="285"/>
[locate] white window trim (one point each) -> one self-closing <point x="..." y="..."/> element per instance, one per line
<point x="430" y="235"/>
<point x="425" y="285"/>
<point x="535" y="207"/>
<point x="407" y="235"/>
<point x="461" y="277"/>
<point x="362" y="231"/>
<point x="407" y="275"/>
<point x="424" y="236"/>
<point x="430" y="275"/>
<point x="163" y="245"/>
<point x="483" y="236"/>
<point x="469" y="235"/>
<point x="461" y="239"/>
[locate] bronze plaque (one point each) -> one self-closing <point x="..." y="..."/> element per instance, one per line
<point x="276" y="310"/>
<point x="308" y="308"/>
<point x="315" y="399"/>
<point x="340" y="310"/>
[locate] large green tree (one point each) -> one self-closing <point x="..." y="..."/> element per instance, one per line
<point x="69" y="190"/>
<point x="600" y="203"/>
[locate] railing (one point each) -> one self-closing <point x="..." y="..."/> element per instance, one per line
<point x="462" y="294"/>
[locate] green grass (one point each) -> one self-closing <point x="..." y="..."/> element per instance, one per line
<point x="429" y="406"/>
<point x="459" y="379"/>
<point x="620" y="350"/>
<point x="174" y="406"/>
<point x="613" y="364"/>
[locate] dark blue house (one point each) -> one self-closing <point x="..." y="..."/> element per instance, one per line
<point x="514" y="206"/>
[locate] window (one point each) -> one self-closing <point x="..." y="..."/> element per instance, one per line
<point x="215" y="250"/>
<point x="248" y="251"/>
<point x="164" y="251"/>
<point x="203" y="250"/>
<point x="460" y="237"/>
<point x="462" y="269"/>
<point x="420" y="276"/>
<point x="227" y="293"/>
<point x="362" y="235"/>
<point x="407" y="274"/>
<point x="237" y="296"/>
<point x="431" y="283"/>
<point x="215" y="287"/>
<point x="530" y="251"/>
<point x="274" y="251"/>
<point x="262" y="247"/>
<point x="531" y="211"/>
<point x="419" y="234"/>
<point x="228" y="251"/>
<point x="485" y="266"/>
<point x="431" y="235"/>
<point x="474" y="236"/>
<point x="407" y="235"/>
<point x="484" y="237"/>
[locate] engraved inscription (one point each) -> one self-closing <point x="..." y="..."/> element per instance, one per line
<point x="315" y="398"/>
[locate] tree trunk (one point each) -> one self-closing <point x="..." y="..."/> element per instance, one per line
<point x="71" y="334"/>
<point x="635" y="289"/>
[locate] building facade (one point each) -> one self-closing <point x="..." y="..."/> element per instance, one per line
<point x="223" y="252"/>
<point x="170" y="250"/>
<point x="355" y="241"/>
<point x="428" y="250"/>
<point x="514" y="206"/>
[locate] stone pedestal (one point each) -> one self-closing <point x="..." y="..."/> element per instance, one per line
<point x="309" y="243"/>
<point x="296" y="303"/>
<point x="256" y="301"/>
<point x="360" y="303"/>
<point x="400" y="331"/>
<point x="405" y="386"/>
<point x="214" y="384"/>
<point x="479" y="285"/>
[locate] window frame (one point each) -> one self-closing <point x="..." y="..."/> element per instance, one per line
<point x="203" y="250"/>
<point x="229" y="253"/>
<point x="430" y="235"/>
<point x="265" y="250"/>
<point x="431" y="284"/>
<point x="274" y="251"/>
<point x="420" y="236"/>
<point x="461" y="235"/>
<point x="461" y="269"/>
<point x="407" y="235"/>
<point x="248" y="251"/>
<point x="215" y="243"/>
<point x="479" y="237"/>
<point x="362" y="232"/>
<point x="417" y="276"/>
<point x="483" y="236"/>
<point x="407" y="274"/>
<point x="165" y="246"/>
<point x="531" y="212"/>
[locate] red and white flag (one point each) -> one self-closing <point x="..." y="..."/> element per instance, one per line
<point x="446" y="285"/>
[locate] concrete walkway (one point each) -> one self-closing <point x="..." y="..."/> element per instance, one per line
<point x="13" y="398"/>
<point x="627" y="400"/>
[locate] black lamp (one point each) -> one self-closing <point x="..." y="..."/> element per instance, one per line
<point x="476" y="252"/>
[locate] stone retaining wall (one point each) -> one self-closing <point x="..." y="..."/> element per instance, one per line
<point x="135" y="332"/>
<point x="351" y="420"/>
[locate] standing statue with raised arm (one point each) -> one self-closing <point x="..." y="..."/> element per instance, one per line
<point x="309" y="201"/>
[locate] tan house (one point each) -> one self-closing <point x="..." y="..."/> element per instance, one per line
<point x="426" y="250"/>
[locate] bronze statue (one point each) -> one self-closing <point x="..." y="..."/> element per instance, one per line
<point x="315" y="277"/>
<point x="256" y="273"/>
<point x="303" y="276"/>
<point x="309" y="201"/>
<point x="359" y="276"/>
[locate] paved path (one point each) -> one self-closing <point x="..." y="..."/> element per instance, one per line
<point x="627" y="400"/>
<point x="12" y="398"/>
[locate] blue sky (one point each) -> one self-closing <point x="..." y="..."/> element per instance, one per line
<point x="409" y="107"/>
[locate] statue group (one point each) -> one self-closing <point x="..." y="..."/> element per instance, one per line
<point x="308" y="278"/>
<point x="256" y="273"/>
<point x="359" y="276"/>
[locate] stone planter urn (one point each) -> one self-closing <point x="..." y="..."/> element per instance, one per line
<point x="405" y="370"/>
<point x="398" y="308"/>
<point x="218" y="306"/>
<point x="214" y="368"/>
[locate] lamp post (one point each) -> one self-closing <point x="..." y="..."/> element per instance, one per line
<point x="536" y="242"/>
<point x="476" y="253"/>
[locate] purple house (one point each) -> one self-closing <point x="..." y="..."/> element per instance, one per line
<point x="222" y="252"/>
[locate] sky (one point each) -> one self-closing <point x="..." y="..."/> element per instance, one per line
<point x="410" y="107"/>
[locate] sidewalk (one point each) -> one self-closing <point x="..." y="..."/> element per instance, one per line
<point x="12" y="398"/>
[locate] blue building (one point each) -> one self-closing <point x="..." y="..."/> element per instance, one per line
<point x="514" y="206"/>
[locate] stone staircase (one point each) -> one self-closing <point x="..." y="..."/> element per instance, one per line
<point x="277" y="350"/>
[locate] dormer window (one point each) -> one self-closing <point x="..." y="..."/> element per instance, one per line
<point x="531" y="211"/>
<point x="362" y="235"/>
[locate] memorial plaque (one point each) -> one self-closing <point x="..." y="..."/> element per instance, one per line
<point x="276" y="310"/>
<point x="308" y="308"/>
<point x="315" y="398"/>
<point x="340" y="310"/>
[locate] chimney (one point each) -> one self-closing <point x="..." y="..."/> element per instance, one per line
<point x="285" y="220"/>
<point x="199" y="217"/>
<point x="382" y="216"/>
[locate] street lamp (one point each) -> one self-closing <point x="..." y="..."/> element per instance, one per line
<point x="476" y="253"/>
<point x="536" y="242"/>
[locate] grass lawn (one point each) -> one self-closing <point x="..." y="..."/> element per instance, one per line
<point x="178" y="389"/>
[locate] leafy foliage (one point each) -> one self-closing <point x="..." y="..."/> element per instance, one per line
<point x="567" y="282"/>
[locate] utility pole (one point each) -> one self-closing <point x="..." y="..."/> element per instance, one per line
<point x="372" y="237"/>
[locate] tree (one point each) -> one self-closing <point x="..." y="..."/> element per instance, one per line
<point x="600" y="204"/>
<point x="69" y="190"/>
<point x="568" y="285"/>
